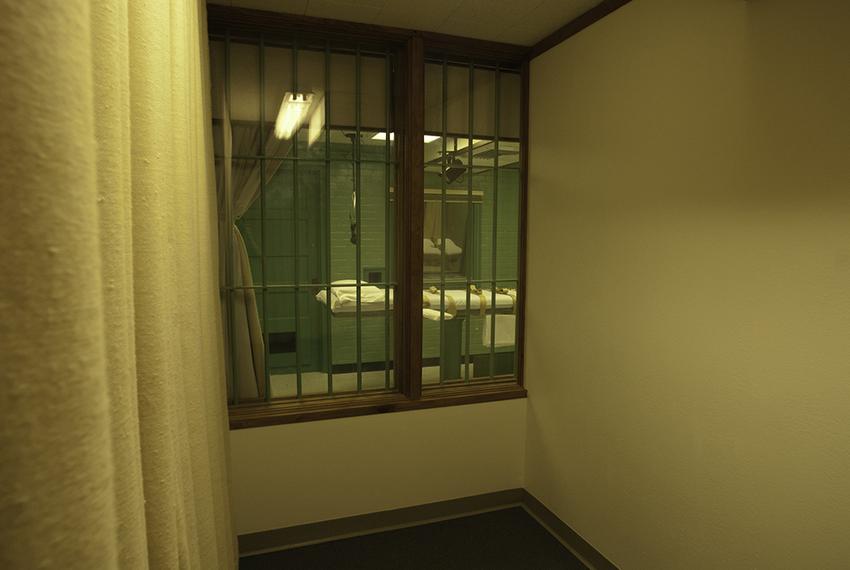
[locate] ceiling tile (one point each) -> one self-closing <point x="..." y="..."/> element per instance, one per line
<point x="348" y="10"/>
<point x="288" y="6"/>
<point x="469" y="29"/>
<point x="552" y="14"/>
<point x="494" y="11"/>
<point x="521" y="35"/>
<point x="428" y="15"/>
<point x="514" y="21"/>
<point x="547" y="17"/>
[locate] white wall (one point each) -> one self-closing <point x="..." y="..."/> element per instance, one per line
<point x="301" y="473"/>
<point x="688" y="327"/>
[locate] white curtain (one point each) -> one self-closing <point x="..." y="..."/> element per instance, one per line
<point x="112" y="403"/>
<point x="238" y="181"/>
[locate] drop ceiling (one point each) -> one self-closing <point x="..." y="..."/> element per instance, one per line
<point x="523" y="22"/>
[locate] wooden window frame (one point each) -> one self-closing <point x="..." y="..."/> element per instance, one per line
<point x="411" y="49"/>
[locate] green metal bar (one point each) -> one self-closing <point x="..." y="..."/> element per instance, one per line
<point x="448" y="283"/>
<point x="466" y="258"/>
<point x="298" y="389"/>
<point x="303" y="286"/>
<point x="228" y="214"/>
<point x="272" y="287"/>
<point x="266" y="363"/>
<point x="357" y="205"/>
<point x="462" y="63"/>
<point x="328" y="318"/>
<point x="387" y="97"/>
<point x="495" y="228"/>
<point x="443" y="165"/>
<point x="309" y="46"/>
<point x="521" y="228"/>
<point x="305" y="159"/>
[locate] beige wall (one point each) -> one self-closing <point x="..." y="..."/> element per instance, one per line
<point x="302" y="473"/>
<point x="689" y="269"/>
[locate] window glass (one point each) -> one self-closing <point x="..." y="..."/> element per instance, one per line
<point x="304" y="181"/>
<point x="470" y="224"/>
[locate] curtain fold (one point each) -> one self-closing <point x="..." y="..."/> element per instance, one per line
<point x="112" y="121"/>
<point x="113" y="416"/>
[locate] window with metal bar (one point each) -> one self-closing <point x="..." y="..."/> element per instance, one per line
<point x="371" y="214"/>
<point x="471" y="220"/>
<point x="305" y="173"/>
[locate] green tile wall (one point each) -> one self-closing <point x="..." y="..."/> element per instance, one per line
<point x="281" y="255"/>
<point x="506" y="244"/>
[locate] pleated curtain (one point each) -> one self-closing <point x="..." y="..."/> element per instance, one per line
<point x="112" y="397"/>
<point x="238" y="183"/>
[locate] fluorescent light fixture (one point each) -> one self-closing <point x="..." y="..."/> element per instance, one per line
<point x="317" y="122"/>
<point x="382" y="136"/>
<point x="293" y="110"/>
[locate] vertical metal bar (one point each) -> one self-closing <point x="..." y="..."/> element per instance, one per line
<point x="466" y="257"/>
<point x="264" y="282"/>
<point x="443" y="165"/>
<point x="296" y="276"/>
<point x="495" y="227"/>
<point x="387" y="98"/>
<point x="228" y="214"/>
<point x="328" y="316"/>
<point x="357" y="204"/>
<point x="519" y="345"/>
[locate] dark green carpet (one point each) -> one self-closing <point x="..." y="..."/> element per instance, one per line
<point x="509" y="538"/>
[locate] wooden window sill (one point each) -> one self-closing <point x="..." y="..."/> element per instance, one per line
<point x="343" y="406"/>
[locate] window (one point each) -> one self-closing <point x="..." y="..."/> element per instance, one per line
<point x="329" y="307"/>
<point x="310" y="242"/>
<point x="470" y="222"/>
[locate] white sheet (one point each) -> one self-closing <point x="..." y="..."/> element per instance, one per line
<point x="432" y="247"/>
<point x="451" y="247"/>
<point x="428" y="247"/>
<point x="344" y="299"/>
<point x="459" y="296"/>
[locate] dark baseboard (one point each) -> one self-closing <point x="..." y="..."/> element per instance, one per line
<point x="289" y="537"/>
<point x="566" y="534"/>
<point x="301" y="535"/>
